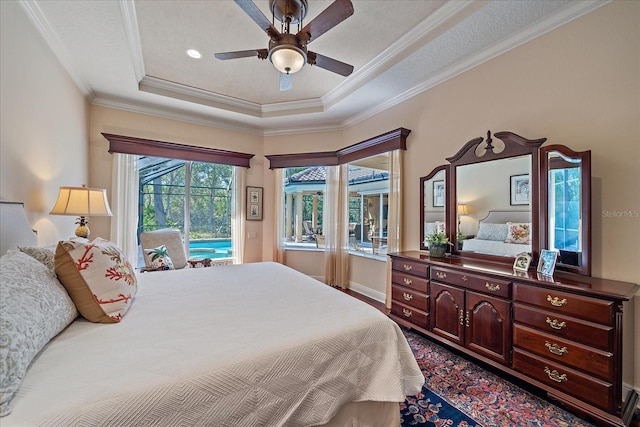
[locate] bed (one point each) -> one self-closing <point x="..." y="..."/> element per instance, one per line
<point x="434" y="222"/>
<point x="242" y="345"/>
<point x="502" y="233"/>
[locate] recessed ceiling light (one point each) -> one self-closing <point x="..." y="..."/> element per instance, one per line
<point x="194" y="53"/>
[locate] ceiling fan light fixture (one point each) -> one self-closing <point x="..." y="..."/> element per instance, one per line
<point x="287" y="58"/>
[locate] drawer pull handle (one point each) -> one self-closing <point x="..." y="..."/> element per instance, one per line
<point x="407" y="267"/>
<point x="555" y="375"/>
<point x="407" y="297"/>
<point x="407" y="281"/>
<point x="556" y="302"/>
<point x="441" y="275"/>
<point x="461" y="317"/>
<point x="464" y="278"/>
<point x="407" y="313"/>
<point x="492" y="287"/>
<point x="556" y="349"/>
<point x="556" y="324"/>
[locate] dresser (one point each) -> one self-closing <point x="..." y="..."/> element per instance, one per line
<point x="562" y="335"/>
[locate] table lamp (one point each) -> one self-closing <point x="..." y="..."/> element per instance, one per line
<point x="82" y="202"/>
<point x="462" y="210"/>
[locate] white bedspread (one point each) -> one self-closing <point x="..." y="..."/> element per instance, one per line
<point x="251" y="345"/>
<point x="492" y="247"/>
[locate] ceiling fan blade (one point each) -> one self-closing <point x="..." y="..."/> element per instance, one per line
<point x="334" y="14"/>
<point x="329" y="64"/>
<point x="260" y="53"/>
<point x="258" y="17"/>
<point x="286" y="82"/>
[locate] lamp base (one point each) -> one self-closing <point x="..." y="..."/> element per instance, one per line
<point x="82" y="230"/>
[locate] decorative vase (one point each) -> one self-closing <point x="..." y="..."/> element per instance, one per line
<point x="438" y="249"/>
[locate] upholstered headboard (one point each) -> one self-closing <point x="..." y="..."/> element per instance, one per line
<point x="502" y="217"/>
<point x="14" y="227"/>
<point x="434" y="216"/>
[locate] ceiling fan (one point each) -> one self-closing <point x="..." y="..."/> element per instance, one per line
<point x="288" y="52"/>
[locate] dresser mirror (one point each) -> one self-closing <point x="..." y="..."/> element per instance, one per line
<point x="505" y="194"/>
<point x="565" y="186"/>
<point x="433" y="199"/>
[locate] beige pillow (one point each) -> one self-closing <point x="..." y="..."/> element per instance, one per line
<point x="98" y="277"/>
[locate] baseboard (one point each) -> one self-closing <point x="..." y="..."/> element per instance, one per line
<point x="368" y="292"/>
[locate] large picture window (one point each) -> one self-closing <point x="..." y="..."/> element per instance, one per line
<point x="194" y="197"/>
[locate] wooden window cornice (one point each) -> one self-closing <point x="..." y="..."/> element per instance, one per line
<point x="149" y="147"/>
<point x="389" y="141"/>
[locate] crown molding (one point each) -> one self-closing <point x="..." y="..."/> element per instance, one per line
<point x="175" y="114"/>
<point x="574" y="11"/>
<point x="35" y="15"/>
<point x="132" y="34"/>
<point x="398" y="50"/>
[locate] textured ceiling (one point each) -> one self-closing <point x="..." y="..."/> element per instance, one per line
<point x="131" y="55"/>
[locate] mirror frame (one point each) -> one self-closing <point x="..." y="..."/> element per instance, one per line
<point x="514" y="145"/>
<point x="424" y="179"/>
<point x="585" y="205"/>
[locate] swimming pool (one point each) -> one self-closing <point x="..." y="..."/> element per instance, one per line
<point x="210" y="248"/>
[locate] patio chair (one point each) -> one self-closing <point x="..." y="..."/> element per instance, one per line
<point x="308" y="234"/>
<point x="172" y="239"/>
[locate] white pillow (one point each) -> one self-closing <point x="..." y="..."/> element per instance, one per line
<point x="34" y="308"/>
<point x="496" y="232"/>
<point x="44" y="255"/>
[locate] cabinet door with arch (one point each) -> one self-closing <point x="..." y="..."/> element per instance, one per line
<point x="488" y="326"/>
<point x="447" y="312"/>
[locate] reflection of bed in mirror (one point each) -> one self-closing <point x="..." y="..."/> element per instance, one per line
<point x="502" y="233"/>
<point x="434" y="221"/>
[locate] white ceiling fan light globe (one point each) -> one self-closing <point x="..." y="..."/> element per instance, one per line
<point x="287" y="59"/>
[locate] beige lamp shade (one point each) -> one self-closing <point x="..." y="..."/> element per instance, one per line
<point x="462" y="209"/>
<point x="82" y="202"/>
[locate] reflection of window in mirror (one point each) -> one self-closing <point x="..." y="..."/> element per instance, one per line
<point x="564" y="203"/>
<point x="369" y="204"/>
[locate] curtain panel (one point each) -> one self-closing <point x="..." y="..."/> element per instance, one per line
<point x="394" y="230"/>
<point x="124" y="204"/>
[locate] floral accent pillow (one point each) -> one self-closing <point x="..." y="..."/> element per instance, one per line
<point x="98" y="277"/>
<point x="519" y="232"/>
<point x="34" y="308"/>
<point x="160" y="258"/>
<point x="495" y="232"/>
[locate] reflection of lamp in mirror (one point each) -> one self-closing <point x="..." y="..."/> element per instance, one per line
<point x="462" y="210"/>
<point x="82" y="202"/>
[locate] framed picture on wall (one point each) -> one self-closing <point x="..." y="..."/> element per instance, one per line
<point x="438" y="194"/>
<point x="254" y="203"/>
<point x="520" y="189"/>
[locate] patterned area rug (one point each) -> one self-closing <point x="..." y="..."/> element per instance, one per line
<point x="459" y="393"/>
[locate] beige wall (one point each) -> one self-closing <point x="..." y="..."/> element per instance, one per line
<point x="43" y="126"/>
<point x="577" y="85"/>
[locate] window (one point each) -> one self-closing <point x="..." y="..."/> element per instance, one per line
<point x="172" y="190"/>
<point x="304" y="192"/>
<point x="369" y="205"/>
<point x="565" y="203"/>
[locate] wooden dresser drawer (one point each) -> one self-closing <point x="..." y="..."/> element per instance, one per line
<point x="570" y="354"/>
<point x="487" y="285"/>
<point x="596" y="392"/>
<point x="409" y="281"/>
<point x="587" y="308"/>
<point x="410" y="297"/>
<point x="567" y="327"/>
<point x="410" y="314"/>
<point x="411" y="267"/>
